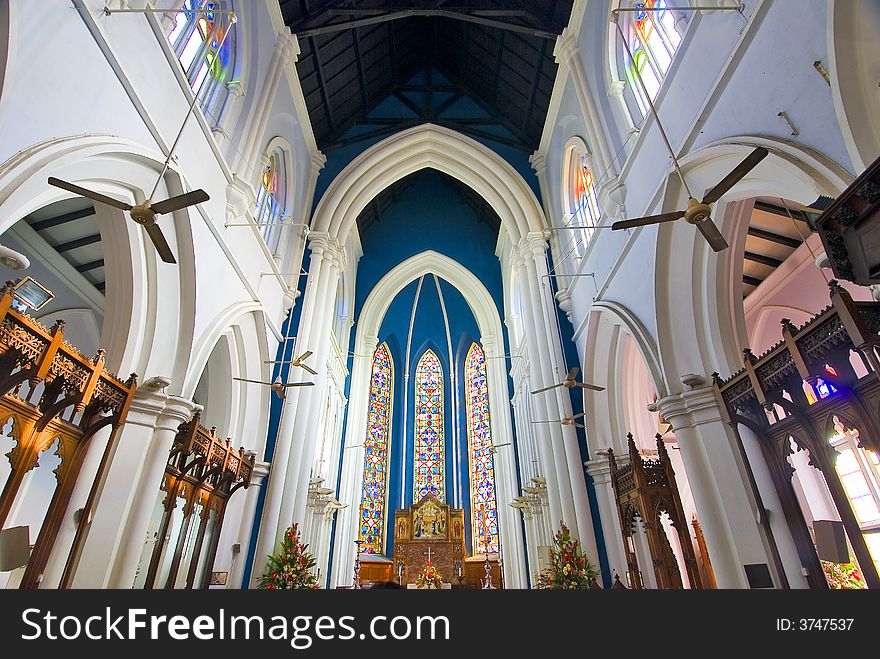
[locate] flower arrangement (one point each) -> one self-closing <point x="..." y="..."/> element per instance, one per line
<point x="291" y="567"/>
<point x="429" y="577"/>
<point x="569" y="568"/>
<point x="843" y="575"/>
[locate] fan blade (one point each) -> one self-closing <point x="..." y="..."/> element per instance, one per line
<point x="308" y="368"/>
<point x="546" y="389"/>
<point x="254" y="381"/>
<point x="579" y="425"/>
<point x="650" y="219"/>
<point x="572" y="373"/>
<point x="591" y="387"/>
<point x="733" y="178"/>
<point x="578" y="415"/>
<point x="155" y="234"/>
<point x="95" y="196"/>
<point x="553" y="421"/>
<point x="305" y="355"/>
<point x="300" y="384"/>
<point x="712" y="235"/>
<point x="180" y="201"/>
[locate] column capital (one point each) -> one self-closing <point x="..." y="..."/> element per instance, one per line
<point x="538" y="161"/>
<point x="287" y="47"/>
<point x="566" y="47"/>
<point x="537" y="243"/>
<point x="599" y="468"/>
<point x="318" y="160"/>
<point x="240" y="198"/>
<point x="235" y="89"/>
<point x="690" y="408"/>
<point x="563" y="297"/>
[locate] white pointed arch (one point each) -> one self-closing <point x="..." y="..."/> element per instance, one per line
<point x="370" y="319"/>
<point x="445" y="150"/>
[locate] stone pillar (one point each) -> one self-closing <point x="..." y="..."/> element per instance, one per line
<point x="286" y="52"/>
<point x="130" y="490"/>
<point x="544" y="439"/>
<point x="277" y="508"/>
<point x="246" y="525"/>
<point x="720" y="490"/>
<point x="600" y="470"/>
<point x="567" y="451"/>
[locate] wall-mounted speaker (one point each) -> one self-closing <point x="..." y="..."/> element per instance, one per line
<point x="831" y="541"/>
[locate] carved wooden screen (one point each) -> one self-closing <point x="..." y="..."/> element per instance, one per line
<point x="785" y="399"/>
<point x="202" y="473"/>
<point x="53" y="402"/>
<point x="646" y="489"/>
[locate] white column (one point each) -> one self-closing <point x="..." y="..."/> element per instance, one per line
<point x="285" y="53"/>
<point x="280" y="488"/>
<point x="568" y="456"/>
<point x="131" y="488"/>
<point x="246" y="526"/>
<point x="348" y="519"/>
<point x="312" y="400"/>
<point x="720" y="491"/>
<point x="600" y="470"/>
<point x="542" y="433"/>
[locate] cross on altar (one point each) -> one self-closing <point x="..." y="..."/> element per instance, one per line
<point x="429" y="554"/>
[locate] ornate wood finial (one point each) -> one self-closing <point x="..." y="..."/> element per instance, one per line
<point x="788" y="326"/>
<point x="611" y="459"/>
<point x="633" y="449"/>
<point x="749" y="356"/>
<point x="834" y="287"/>
<point x="661" y="448"/>
<point x="57" y="327"/>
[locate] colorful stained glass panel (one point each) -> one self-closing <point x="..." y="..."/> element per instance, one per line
<point x="484" y="509"/>
<point x="376" y="445"/>
<point x="428" y="464"/>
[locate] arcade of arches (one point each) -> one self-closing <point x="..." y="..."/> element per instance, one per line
<point x="389" y="300"/>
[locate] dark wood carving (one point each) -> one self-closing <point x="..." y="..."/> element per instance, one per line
<point x="767" y="396"/>
<point x="645" y="489"/>
<point x="50" y="391"/>
<point x="202" y="473"/>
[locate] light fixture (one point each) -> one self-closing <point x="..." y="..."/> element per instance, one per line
<point x="12" y="259"/>
<point x="29" y="293"/>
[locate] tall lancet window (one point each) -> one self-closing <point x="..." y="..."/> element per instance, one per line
<point x="376" y="445"/>
<point x="203" y="48"/>
<point x="430" y="453"/>
<point x="484" y="510"/>
<point x="653" y="40"/>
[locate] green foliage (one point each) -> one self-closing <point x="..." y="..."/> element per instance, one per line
<point x="291" y="567"/>
<point x="569" y="568"/>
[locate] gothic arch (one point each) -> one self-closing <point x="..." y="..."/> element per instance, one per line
<point x="445" y="150"/>
<point x="366" y="338"/>
<point x="706" y="331"/>
<point x="134" y="321"/>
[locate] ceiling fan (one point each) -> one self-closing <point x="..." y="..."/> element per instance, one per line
<point x="278" y="386"/>
<point x="494" y="447"/>
<point x="570" y="382"/>
<point x="567" y="421"/>
<point x="699" y="213"/>
<point x="144" y="213"/>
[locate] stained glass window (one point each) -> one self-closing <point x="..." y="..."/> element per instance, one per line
<point x="484" y="510"/>
<point x="270" y="199"/>
<point x="198" y="41"/>
<point x="653" y="40"/>
<point x="429" y="448"/>
<point x="376" y="447"/>
<point x="584" y="208"/>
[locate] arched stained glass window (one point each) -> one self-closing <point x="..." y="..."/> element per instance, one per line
<point x="484" y="509"/>
<point x="376" y="451"/>
<point x="582" y="204"/>
<point x="653" y="40"/>
<point x="270" y="199"/>
<point x="429" y="445"/>
<point x="205" y="52"/>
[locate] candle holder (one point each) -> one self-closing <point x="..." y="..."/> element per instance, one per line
<point x="400" y="569"/>
<point x="357" y="564"/>
<point x="487" y="582"/>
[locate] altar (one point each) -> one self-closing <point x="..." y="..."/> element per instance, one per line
<point x="428" y="530"/>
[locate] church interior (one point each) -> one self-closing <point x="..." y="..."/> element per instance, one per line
<point x="450" y="292"/>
